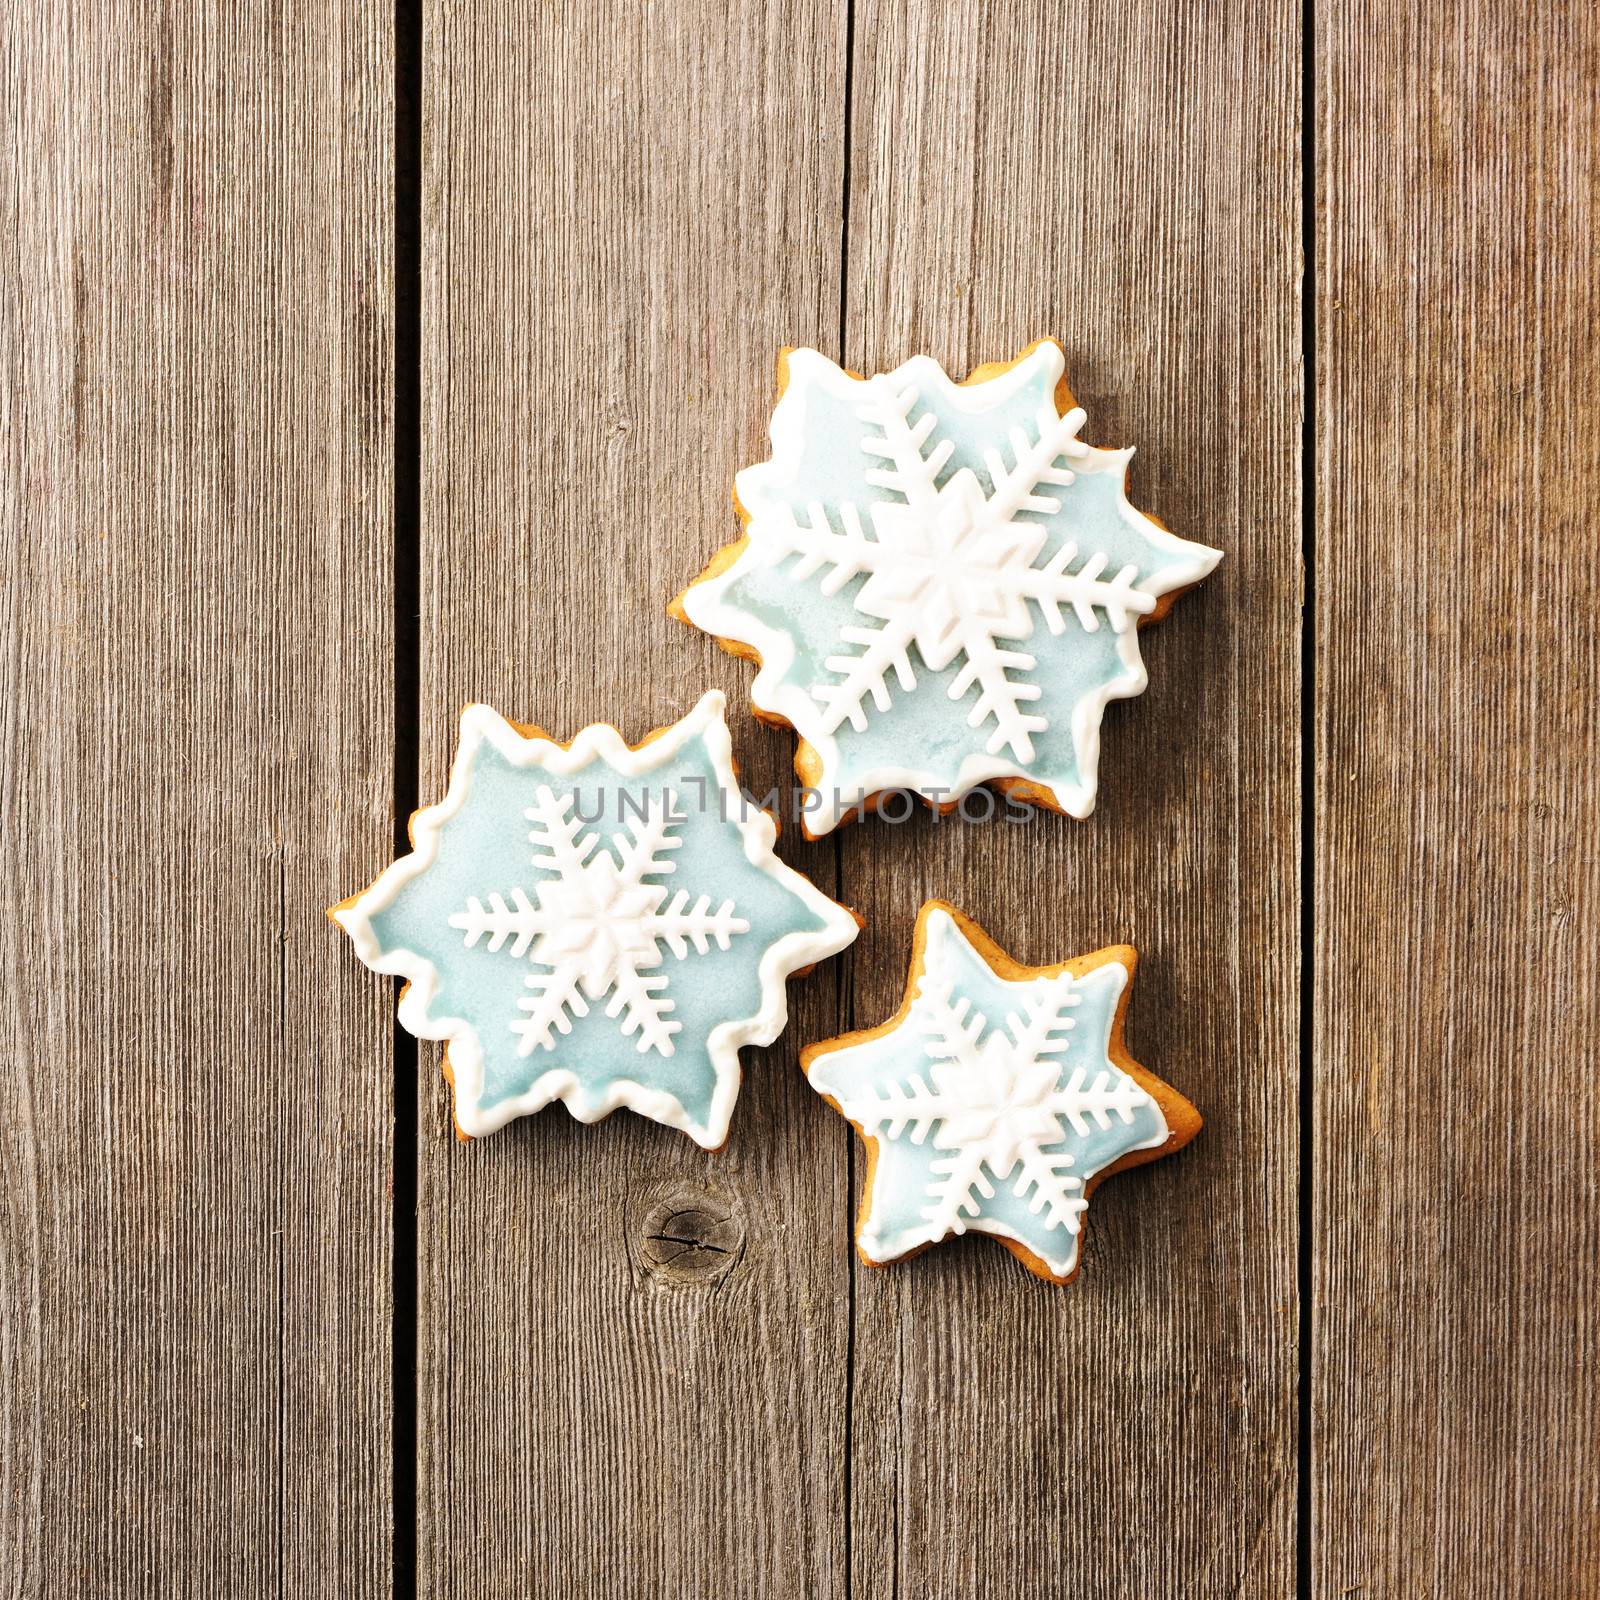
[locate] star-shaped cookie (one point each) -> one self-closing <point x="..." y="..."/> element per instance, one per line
<point x="942" y="583"/>
<point x="996" y="1099"/>
<point x="596" y="923"/>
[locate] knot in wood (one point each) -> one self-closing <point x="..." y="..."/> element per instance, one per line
<point x="691" y="1237"/>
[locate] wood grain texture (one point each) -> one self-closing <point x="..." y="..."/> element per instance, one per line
<point x="195" y="757"/>
<point x="679" y="214"/>
<point x="628" y="210"/>
<point x="1126" y="180"/>
<point x="1457" y="981"/>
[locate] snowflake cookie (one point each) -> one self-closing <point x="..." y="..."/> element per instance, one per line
<point x="942" y="583"/>
<point x="996" y="1099"/>
<point x="595" y="923"/>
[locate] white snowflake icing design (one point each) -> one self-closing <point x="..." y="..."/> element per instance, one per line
<point x="582" y="970"/>
<point x="951" y="569"/>
<point x="599" y="923"/>
<point x="939" y="531"/>
<point x="998" y="1103"/>
<point x="997" y="1110"/>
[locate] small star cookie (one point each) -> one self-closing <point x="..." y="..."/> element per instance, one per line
<point x="594" y="923"/>
<point x="943" y="585"/>
<point x="996" y="1098"/>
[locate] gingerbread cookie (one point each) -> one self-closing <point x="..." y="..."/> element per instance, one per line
<point x="996" y="1099"/>
<point x="594" y="923"/>
<point x="902" y="549"/>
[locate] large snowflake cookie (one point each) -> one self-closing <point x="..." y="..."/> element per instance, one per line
<point x="595" y="923"/>
<point x="996" y="1099"/>
<point x="943" y="584"/>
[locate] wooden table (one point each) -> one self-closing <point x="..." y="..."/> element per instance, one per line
<point x="357" y="366"/>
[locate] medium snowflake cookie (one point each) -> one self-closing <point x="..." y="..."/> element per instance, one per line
<point x="942" y="583"/>
<point x="996" y="1099"/>
<point x="595" y="923"/>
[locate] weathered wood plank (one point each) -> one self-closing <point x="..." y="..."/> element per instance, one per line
<point x="195" y="754"/>
<point x="1125" y="179"/>
<point x="1457" y="981"/>
<point x="629" y="209"/>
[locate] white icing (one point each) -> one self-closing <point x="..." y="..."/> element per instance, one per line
<point x="950" y="569"/>
<point x="952" y="573"/>
<point x="482" y="727"/>
<point x="599" y="924"/>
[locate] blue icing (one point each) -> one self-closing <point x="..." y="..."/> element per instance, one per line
<point x="485" y="848"/>
<point x="924" y="728"/>
<point x="882" y="1066"/>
